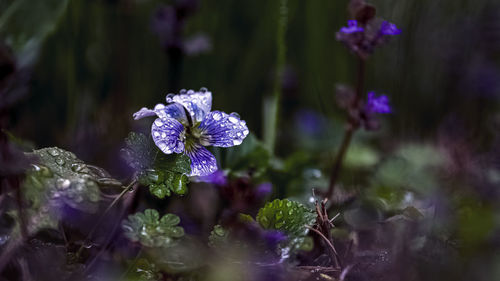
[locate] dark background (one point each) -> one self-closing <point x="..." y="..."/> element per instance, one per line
<point x="101" y="61"/>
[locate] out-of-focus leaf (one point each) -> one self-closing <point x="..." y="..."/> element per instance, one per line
<point x="251" y="154"/>
<point x="143" y="270"/>
<point x="164" y="174"/>
<point x="148" y="229"/>
<point x="182" y="257"/>
<point x="361" y="155"/>
<point x="59" y="178"/>
<point x="412" y="168"/>
<point x="25" y="24"/>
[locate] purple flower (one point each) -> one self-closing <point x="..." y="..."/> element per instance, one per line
<point x="274" y="237"/>
<point x="217" y="178"/>
<point x="264" y="189"/>
<point x="378" y="104"/>
<point x="352" y="27"/>
<point x="387" y="28"/>
<point x="186" y="125"/>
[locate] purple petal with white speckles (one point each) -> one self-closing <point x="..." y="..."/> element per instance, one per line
<point x="222" y="129"/>
<point x="173" y="110"/>
<point x="167" y="134"/>
<point x="143" y="112"/>
<point x="203" y="163"/>
<point x="198" y="104"/>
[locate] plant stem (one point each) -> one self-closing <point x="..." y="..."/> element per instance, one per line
<point x="271" y="107"/>
<point x="101" y="218"/>
<point x="351" y="127"/>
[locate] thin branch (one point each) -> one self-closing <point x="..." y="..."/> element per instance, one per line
<point x="328" y="242"/>
<point x="101" y="218"/>
<point x="352" y="126"/>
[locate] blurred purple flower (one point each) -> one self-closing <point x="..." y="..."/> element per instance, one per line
<point x="197" y="44"/>
<point x="186" y="125"/>
<point x="378" y="104"/>
<point x="167" y="27"/>
<point x="309" y="122"/>
<point x="264" y="189"/>
<point x="273" y="238"/>
<point x="387" y="28"/>
<point x="217" y="178"/>
<point x="352" y="27"/>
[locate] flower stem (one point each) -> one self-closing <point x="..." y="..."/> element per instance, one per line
<point x="271" y="106"/>
<point x="101" y="218"/>
<point x="351" y="127"/>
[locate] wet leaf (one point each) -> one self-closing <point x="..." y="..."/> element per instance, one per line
<point x="60" y="179"/>
<point x="148" y="229"/>
<point x="287" y="216"/>
<point x="218" y="236"/>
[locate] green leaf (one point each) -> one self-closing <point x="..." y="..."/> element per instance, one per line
<point x="148" y="229"/>
<point x="138" y="152"/>
<point x="251" y="154"/>
<point x="164" y="174"/>
<point x="60" y="178"/>
<point x="218" y="236"/>
<point x="287" y="216"/>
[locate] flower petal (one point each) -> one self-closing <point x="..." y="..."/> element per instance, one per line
<point x="143" y="112"/>
<point x="168" y="135"/>
<point x="203" y="163"/>
<point x="222" y="129"/>
<point x="198" y="104"/>
<point x="173" y="110"/>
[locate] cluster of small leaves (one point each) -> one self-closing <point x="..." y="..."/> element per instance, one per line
<point x="287" y="216"/>
<point x="60" y="178"/>
<point x="149" y="230"/>
<point x="163" y="174"/>
<point x="218" y="236"/>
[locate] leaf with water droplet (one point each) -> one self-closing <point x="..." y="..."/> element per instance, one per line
<point x="164" y="174"/>
<point x="152" y="231"/>
<point x="287" y="216"/>
<point x="60" y="179"/>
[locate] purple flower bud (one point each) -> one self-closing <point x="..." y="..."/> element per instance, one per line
<point x="378" y="104"/>
<point x="352" y="27"/>
<point x="387" y="28"/>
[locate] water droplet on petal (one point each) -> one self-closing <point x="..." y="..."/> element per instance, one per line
<point x="158" y="123"/>
<point x="170" y="98"/>
<point x="235" y="115"/>
<point x="182" y="91"/>
<point x="203" y="89"/>
<point x="237" y="142"/>
<point x="233" y="120"/>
